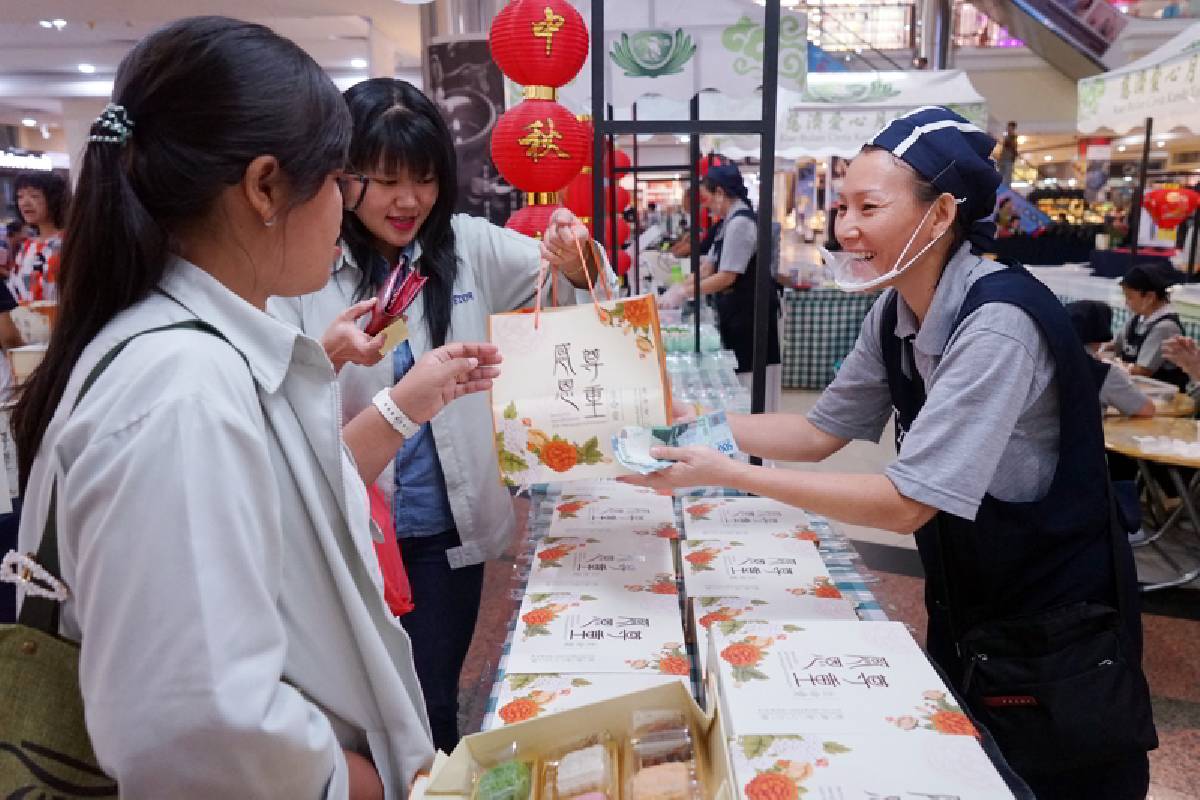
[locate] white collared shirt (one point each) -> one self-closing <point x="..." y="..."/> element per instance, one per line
<point x="215" y="536"/>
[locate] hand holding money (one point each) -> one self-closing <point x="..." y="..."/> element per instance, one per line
<point x="632" y="445"/>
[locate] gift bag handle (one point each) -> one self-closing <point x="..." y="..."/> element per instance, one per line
<point x="545" y="266"/>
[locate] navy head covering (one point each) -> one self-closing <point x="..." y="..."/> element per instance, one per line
<point x="729" y="178"/>
<point x="952" y="154"/>
<point x="1092" y="320"/>
<point x="1151" y="278"/>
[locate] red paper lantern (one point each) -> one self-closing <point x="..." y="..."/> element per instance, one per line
<point x="1169" y="207"/>
<point x="624" y="262"/>
<point x="538" y="146"/>
<point x="532" y="220"/>
<point x="620" y="160"/>
<point x="578" y="194"/>
<point x="539" y="42"/>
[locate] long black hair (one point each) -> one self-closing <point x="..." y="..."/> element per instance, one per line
<point x="53" y="187"/>
<point x="207" y="95"/>
<point x="397" y="129"/>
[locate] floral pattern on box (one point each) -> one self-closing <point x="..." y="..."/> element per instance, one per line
<point x="755" y="567"/>
<point x="742" y="517"/>
<point x="778" y="767"/>
<point x="538" y="619"/>
<point x="937" y="713"/>
<point x="844" y="766"/>
<point x="555" y="549"/>
<point x="600" y="631"/>
<point x="672" y="659"/>
<point x="745" y="655"/>
<point x="523" y="697"/>
<point x="663" y="583"/>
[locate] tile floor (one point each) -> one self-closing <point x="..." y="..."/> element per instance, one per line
<point x="1171" y="621"/>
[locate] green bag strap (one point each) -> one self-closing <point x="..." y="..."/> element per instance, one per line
<point x="43" y="613"/>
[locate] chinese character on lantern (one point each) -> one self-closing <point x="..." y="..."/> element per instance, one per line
<point x="542" y="140"/>
<point x="546" y="28"/>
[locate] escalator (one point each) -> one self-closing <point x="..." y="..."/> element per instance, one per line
<point x="1073" y="36"/>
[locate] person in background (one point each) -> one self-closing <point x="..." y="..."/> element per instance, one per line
<point x="728" y="272"/>
<point x="653" y="217"/>
<point x="1093" y="322"/>
<point x="450" y="511"/>
<point x="1154" y="321"/>
<point x="43" y="199"/>
<point x="1184" y="352"/>
<point x="213" y="528"/>
<point x="1008" y="154"/>
<point x="14" y="237"/>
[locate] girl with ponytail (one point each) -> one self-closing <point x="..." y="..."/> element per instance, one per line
<point x="213" y="536"/>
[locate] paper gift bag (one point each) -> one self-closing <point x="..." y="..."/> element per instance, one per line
<point x="571" y="378"/>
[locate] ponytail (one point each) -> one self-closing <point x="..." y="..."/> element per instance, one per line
<point x="199" y="100"/>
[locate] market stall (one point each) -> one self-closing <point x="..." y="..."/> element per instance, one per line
<point x="1158" y="92"/>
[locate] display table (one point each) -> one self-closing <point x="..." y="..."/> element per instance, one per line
<point x="836" y="550"/>
<point x="1121" y="435"/>
<point x="820" y="327"/>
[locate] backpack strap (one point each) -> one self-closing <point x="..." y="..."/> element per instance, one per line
<point x="43" y="613"/>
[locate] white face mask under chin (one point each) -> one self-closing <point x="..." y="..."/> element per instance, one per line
<point x="853" y="274"/>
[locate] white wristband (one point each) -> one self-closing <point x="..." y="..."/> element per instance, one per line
<point x="399" y="421"/>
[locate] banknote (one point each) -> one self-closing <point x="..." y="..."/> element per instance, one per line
<point x="631" y="445"/>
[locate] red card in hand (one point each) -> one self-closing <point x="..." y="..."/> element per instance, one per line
<point x="395" y="296"/>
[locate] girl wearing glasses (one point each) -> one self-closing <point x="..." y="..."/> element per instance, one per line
<point x="450" y="511"/>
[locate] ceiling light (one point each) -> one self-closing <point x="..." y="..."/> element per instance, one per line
<point x="1161" y="144"/>
<point x="1048" y="158"/>
<point x="358" y="63"/>
<point x="87" y="69"/>
<point x="1128" y="178"/>
<point x="29" y="122"/>
<point x="45" y="23"/>
<point x="1122" y="149"/>
<point x="58" y="24"/>
<point x="1022" y="139"/>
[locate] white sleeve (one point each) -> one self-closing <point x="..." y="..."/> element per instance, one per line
<point x="179" y="553"/>
<point x="506" y="266"/>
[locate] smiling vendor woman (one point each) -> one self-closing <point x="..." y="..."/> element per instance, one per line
<point x="450" y="511"/>
<point x="1000" y="472"/>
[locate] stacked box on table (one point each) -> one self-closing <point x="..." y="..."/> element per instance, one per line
<point x="763" y="567"/>
<point x="637" y="513"/>
<point x="742" y="517"/>
<point x="732" y="615"/>
<point x="841" y="709"/>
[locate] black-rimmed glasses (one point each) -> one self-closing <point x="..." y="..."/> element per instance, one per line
<point x="353" y="186"/>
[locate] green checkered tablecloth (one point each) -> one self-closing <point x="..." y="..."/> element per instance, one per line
<point x="819" y="330"/>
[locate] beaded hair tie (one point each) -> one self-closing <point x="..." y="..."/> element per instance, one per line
<point x="113" y="126"/>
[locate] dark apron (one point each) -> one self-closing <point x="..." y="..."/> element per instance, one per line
<point x="1168" y="372"/>
<point x="735" y="309"/>
<point x="1043" y="573"/>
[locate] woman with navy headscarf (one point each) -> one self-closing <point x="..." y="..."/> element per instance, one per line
<point x="728" y="272"/>
<point x="1000" y="471"/>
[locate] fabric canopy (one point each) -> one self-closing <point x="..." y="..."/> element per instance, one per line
<point x="839" y="111"/>
<point x="1164" y="84"/>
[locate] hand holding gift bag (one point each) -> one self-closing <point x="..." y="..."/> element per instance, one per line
<point x="573" y="377"/>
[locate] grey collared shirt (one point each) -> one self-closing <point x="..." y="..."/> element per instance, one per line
<point x="740" y="237"/>
<point x="990" y="421"/>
